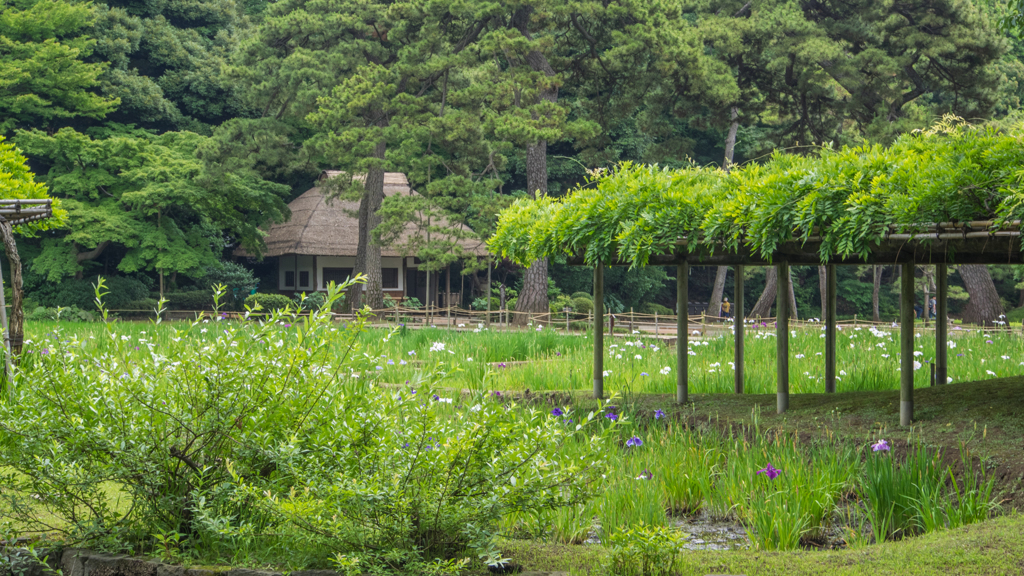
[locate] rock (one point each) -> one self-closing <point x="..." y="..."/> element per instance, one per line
<point x="114" y="565"/>
<point x="247" y="572"/>
<point x="72" y="562"/>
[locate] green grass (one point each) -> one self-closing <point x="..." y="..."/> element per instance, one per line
<point x="992" y="548"/>
<point x="867" y="358"/>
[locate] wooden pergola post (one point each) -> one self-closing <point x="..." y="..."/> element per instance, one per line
<point x="782" y="337"/>
<point x="907" y="344"/>
<point x="598" y="331"/>
<point x="941" y="337"/>
<point x="739" y="326"/>
<point x="682" y="332"/>
<point x="830" y="328"/>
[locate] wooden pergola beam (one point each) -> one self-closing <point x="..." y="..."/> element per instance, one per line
<point x="988" y="250"/>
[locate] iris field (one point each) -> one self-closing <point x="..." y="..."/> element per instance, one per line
<point x="304" y="442"/>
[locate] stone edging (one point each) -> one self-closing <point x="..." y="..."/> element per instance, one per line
<point x="82" y="562"/>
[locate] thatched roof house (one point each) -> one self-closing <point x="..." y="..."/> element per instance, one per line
<point x="318" y="244"/>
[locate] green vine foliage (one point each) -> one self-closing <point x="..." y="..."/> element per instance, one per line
<point x="849" y="197"/>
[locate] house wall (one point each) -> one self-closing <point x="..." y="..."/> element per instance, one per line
<point x="299" y="268"/>
<point x="312" y="268"/>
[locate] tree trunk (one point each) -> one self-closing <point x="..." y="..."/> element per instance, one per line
<point x="17" y="317"/>
<point x="823" y="290"/>
<point x="984" y="305"/>
<point x="367" y="251"/>
<point x="876" y="271"/>
<point x="792" y="297"/>
<point x="730" y="139"/>
<point x="715" y="304"/>
<point x="763" y="307"/>
<point x="534" y="296"/>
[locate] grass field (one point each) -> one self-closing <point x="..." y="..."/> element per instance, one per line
<point x="674" y="460"/>
<point x="545" y="359"/>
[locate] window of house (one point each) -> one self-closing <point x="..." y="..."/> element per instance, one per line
<point x="389" y="278"/>
<point x="304" y="279"/>
<point x="336" y="275"/>
<point x="289" y="279"/>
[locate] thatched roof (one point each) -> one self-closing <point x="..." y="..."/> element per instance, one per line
<point x="322" y="227"/>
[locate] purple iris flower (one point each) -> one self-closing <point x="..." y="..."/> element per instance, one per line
<point x="634" y="441"/>
<point x="770" y="471"/>
<point x="880" y="446"/>
<point x="988" y="341"/>
<point x="557" y="412"/>
<point x="612" y="416"/>
<point x="658" y="414"/>
<point x="436" y="397"/>
<point x="645" y="475"/>
<point x="644" y="374"/>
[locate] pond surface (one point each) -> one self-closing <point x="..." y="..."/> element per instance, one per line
<point x="707" y="533"/>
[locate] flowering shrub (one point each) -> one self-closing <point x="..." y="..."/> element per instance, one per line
<point x="251" y="442"/>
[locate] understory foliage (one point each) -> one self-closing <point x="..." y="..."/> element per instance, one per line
<point x="849" y="197"/>
<point x="269" y="440"/>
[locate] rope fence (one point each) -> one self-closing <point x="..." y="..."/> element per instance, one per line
<point x="455" y="317"/>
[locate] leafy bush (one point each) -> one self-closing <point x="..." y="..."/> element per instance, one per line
<point x="652" y="308"/>
<point x="645" y="551"/>
<point x="68" y="314"/>
<point x="481" y="303"/>
<point x="144" y="304"/>
<point x="586" y="295"/>
<point x="583" y="305"/>
<point x="190" y="300"/>
<point x="307" y="302"/>
<point x="263" y="439"/>
<point x="237" y="280"/>
<point x="269" y="302"/>
<point x="81" y="293"/>
<point x="559" y="304"/>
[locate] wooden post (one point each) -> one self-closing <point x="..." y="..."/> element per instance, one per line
<point x="8" y="369"/>
<point x="598" y="331"/>
<point x="830" y="328"/>
<point x="782" y="338"/>
<point x="487" y="294"/>
<point x="630" y="319"/>
<point x="737" y="306"/>
<point x="682" y="333"/>
<point x="655" y="322"/>
<point x="941" y="324"/>
<point x="907" y="344"/>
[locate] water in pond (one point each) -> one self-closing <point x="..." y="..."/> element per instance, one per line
<point x="707" y="533"/>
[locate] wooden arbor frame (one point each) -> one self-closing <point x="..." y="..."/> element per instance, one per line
<point x="14" y="213"/>
<point x="936" y="244"/>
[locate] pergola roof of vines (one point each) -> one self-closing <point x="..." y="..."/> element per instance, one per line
<point x="951" y="194"/>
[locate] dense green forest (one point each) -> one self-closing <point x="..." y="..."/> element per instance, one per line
<point x="175" y="131"/>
